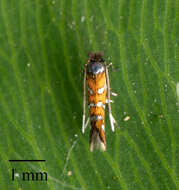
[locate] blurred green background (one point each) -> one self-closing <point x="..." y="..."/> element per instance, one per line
<point x="43" y="49"/>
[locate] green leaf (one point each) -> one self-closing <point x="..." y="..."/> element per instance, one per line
<point x="43" y="50"/>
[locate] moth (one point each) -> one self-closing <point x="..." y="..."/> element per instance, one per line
<point x="96" y="79"/>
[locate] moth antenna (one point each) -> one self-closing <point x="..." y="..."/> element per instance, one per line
<point x="84" y="101"/>
<point x="111" y="118"/>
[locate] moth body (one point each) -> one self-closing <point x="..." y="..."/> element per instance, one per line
<point x="95" y="76"/>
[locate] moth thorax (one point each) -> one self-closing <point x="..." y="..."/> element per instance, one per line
<point x="94" y="68"/>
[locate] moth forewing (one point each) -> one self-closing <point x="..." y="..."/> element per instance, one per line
<point x="96" y="142"/>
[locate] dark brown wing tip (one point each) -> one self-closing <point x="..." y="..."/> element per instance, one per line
<point x="97" y="140"/>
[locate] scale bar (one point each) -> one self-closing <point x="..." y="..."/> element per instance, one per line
<point x="27" y="160"/>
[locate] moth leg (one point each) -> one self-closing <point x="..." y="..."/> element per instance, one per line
<point x="111" y="118"/>
<point x="86" y="124"/>
<point x="107" y="101"/>
<point x="114" y="94"/>
<point x="84" y="101"/>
